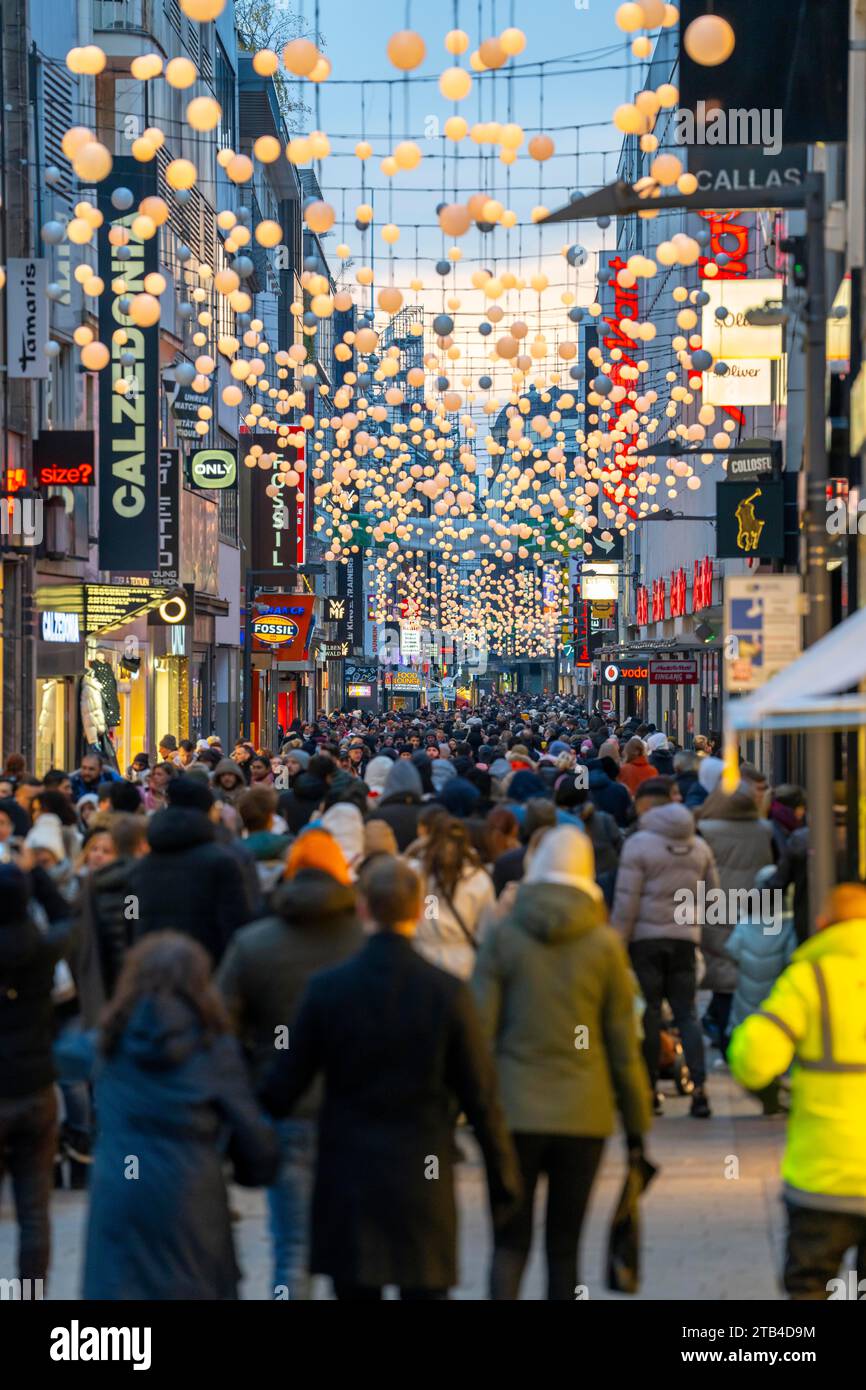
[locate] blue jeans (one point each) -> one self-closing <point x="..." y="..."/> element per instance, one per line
<point x="289" y="1200"/>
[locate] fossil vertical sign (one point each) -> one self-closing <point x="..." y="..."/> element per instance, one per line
<point x="128" y="425"/>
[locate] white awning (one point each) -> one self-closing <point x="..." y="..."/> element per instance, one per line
<point x="807" y="693"/>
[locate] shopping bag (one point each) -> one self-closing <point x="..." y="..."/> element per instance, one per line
<point x="623" y="1247"/>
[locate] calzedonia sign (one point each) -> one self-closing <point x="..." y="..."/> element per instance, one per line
<point x="128" y="424"/>
<point x="213" y="468"/>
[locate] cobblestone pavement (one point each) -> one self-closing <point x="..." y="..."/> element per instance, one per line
<point x="713" y="1222"/>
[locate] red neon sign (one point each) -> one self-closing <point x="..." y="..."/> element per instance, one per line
<point x="659" y="600"/>
<point x="642" y="606"/>
<point x="678" y="593"/>
<point x="702" y="586"/>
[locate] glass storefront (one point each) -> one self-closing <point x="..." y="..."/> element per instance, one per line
<point x="52" y="724"/>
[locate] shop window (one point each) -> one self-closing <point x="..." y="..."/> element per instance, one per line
<point x="51" y="750"/>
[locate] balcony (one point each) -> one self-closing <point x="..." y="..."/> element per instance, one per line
<point x="123" y="16"/>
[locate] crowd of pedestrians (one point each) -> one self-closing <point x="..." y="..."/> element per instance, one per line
<point x="308" y="969"/>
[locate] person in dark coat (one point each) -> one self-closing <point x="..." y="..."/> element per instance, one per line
<point x="607" y="794"/>
<point x="298" y="803"/>
<point x="686" y="767"/>
<point x="174" y="1102"/>
<point x="314" y="924"/>
<point x="792" y="871"/>
<point x="400" y="802"/>
<point x="188" y="882"/>
<point x="105" y="923"/>
<point x="28" y="1103"/>
<point x="400" y="1046"/>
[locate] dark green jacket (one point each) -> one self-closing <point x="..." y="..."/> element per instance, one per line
<point x="556" y="999"/>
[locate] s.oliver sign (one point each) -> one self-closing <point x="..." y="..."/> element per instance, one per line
<point x="673" y="672"/>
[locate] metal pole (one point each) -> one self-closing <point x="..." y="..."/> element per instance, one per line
<point x="819" y="742"/>
<point x="248" y="657"/>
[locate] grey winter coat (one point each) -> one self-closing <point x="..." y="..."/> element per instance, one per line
<point x="663" y="857"/>
<point x="742" y="844"/>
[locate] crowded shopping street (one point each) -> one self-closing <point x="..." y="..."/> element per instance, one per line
<point x="432" y="671"/>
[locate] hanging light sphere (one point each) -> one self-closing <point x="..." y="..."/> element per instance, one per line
<point x="513" y="41"/>
<point x="630" y="18"/>
<point x="702" y="360"/>
<point x="144" y="310"/>
<point x="390" y="233"/>
<point x="541" y="147"/>
<point x="709" y="40"/>
<point x="485" y="329"/>
<point x="52" y="233"/>
<point x="240" y="168"/>
<point x="602" y="385"/>
<point x="319" y="216"/>
<point x="443" y="324"/>
<point x="88" y="61"/>
<point x="455" y="219"/>
<point x="201" y="11"/>
<point x="92" y="162"/>
<point x="146" y="66"/>
<point x="492" y="53"/>
<point x="407" y="155"/>
<point x="300" y="57"/>
<point x="721" y="369"/>
<point x="406" y="50"/>
<point x="184" y="373"/>
<point x="456" y="41"/>
<point x="180" y="73"/>
<point x="95" y="356"/>
<point x="389" y="300"/>
<point x="455" y="84"/>
<point x="269" y="233"/>
<point x="443" y="268"/>
<point x="265" y="62"/>
<point x="203" y="113"/>
<point x="180" y="174"/>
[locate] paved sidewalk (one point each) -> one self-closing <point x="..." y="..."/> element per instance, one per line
<point x="707" y="1233"/>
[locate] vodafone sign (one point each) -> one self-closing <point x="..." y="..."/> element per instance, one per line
<point x="628" y="674"/>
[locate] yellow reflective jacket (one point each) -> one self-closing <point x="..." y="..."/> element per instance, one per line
<point x="815" y="1017"/>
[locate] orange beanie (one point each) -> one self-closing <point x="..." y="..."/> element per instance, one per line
<point x="316" y="849"/>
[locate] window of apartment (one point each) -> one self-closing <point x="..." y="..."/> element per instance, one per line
<point x="224" y="87"/>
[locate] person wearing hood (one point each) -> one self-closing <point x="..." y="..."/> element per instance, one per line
<point x="188" y="882"/>
<point x="742" y="843"/>
<point x="400" y="802"/>
<point x="423" y="764"/>
<point x="556" y="1001"/>
<point x="28" y="1103"/>
<point x="228" y="781"/>
<point x="460" y="798"/>
<point x="313" y="925"/>
<point x="636" y="767"/>
<point x="376" y="775"/>
<point x="655" y="901"/>
<point x="814" y="1019"/>
<point x="174" y="1103"/>
<point x="608" y="795"/>
<point x="345" y="823"/>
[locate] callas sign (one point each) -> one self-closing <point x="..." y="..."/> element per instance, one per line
<point x="282" y="624"/>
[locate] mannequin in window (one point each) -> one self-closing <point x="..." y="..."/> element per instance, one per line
<point x="100" y="708"/>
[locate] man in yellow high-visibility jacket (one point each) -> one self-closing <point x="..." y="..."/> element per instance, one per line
<point x="815" y="1018"/>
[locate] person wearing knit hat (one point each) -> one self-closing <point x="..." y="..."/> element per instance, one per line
<point x="550" y="975"/>
<point x="46" y="841"/>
